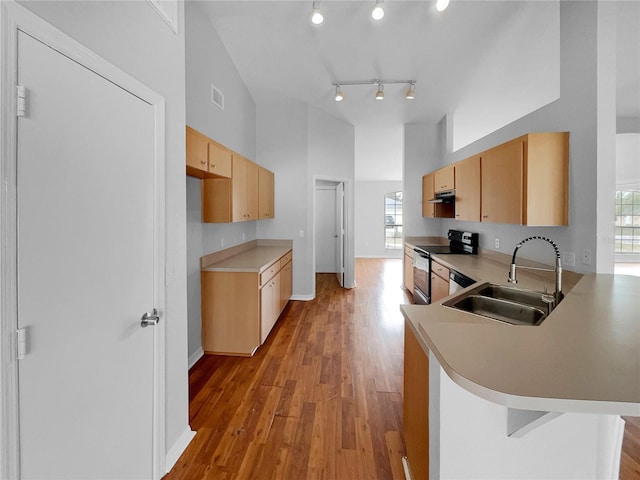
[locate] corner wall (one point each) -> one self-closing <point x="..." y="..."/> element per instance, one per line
<point x="207" y="63"/>
<point x="575" y="112"/>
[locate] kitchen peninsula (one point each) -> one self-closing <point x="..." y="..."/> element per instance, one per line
<point x="542" y="401"/>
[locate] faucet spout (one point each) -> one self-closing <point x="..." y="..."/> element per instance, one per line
<point x="558" y="295"/>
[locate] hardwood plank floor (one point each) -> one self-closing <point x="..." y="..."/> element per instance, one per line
<point x="322" y="399"/>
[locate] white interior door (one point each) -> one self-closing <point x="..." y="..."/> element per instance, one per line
<point x="325" y="229"/>
<point x="339" y="229"/>
<point x="85" y="272"/>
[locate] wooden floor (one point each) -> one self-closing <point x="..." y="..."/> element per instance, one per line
<point x="322" y="397"/>
<point x="320" y="400"/>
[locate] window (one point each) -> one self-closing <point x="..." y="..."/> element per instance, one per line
<point x="393" y="221"/>
<point x="627" y="236"/>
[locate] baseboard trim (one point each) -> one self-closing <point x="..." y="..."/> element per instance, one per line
<point x="195" y="356"/>
<point x="304" y="298"/>
<point x="179" y="447"/>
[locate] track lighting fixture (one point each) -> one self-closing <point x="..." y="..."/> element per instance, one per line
<point x="410" y="93"/>
<point x="378" y="12"/>
<point x="316" y="17"/>
<point x="380" y="92"/>
<point x="442" y="5"/>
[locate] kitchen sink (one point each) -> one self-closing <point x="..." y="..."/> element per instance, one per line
<point x="506" y="304"/>
<point x="528" y="297"/>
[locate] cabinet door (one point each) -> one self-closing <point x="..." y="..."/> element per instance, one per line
<point x="502" y="183"/>
<point x="439" y="288"/>
<point x="408" y="273"/>
<point x="468" y="189"/>
<point x="269" y="304"/>
<point x="265" y="193"/>
<point x="219" y="160"/>
<point x="416" y="405"/>
<point x="240" y="166"/>
<point x="197" y="153"/>
<point x="444" y="179"/>
<point x="428" y="192"/>
<point x="286" y="284"/>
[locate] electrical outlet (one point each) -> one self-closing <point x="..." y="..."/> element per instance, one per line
<point x="497" y="243"/>
<point x="222" y="242"/>
<point x="586" y="256"/>
<point x="300" y="233"/>
<point x="569" y="259"/>
<point x="244" y="235"/>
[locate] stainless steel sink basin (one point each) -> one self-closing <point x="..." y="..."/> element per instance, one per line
<point x="505" y="304"/>
<point x="527" y="297"/>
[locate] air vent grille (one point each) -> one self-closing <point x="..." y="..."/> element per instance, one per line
<point x="217" y="97"/>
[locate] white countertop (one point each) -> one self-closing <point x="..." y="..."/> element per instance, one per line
<point x="585" y="357"/>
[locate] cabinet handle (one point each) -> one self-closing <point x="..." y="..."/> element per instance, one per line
<point x="485" y="216"/>
<point x="213" y="166"/>
<point x="203" y="163"/>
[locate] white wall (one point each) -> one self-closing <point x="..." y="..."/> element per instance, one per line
<point x="301" y="144"/>
<point x="369" y="223"/>
<point x="628" y="160"/>
<point x="575" y="112"/>
<point x="422" y="154"/>
<point x="132" y="36"/>
<point x="379" y="153"/>
<point x="207" y="62"/>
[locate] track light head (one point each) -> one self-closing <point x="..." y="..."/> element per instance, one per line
<point x="380" y="92"/>
<point x="316" y="17"/>
<point x="378" y="12"/>
<point x="339" y="95"/>
<point x="442" y="5"/>
<point x="411" y="92"/>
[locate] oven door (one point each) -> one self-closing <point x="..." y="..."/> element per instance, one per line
<point x="421" y="279"/>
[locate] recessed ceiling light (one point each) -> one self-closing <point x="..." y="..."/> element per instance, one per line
<point x="377" y="13"/>
<point x="380" y="92"/>
<point x="339" y="94"/>
<point x="316" y="17"/>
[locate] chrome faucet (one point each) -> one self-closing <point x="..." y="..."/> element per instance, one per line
<point x="552" y="302"/>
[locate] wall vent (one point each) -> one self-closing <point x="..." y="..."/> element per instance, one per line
<point x="217" y="97"/>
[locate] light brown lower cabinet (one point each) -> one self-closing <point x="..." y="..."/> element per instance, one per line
<point x="439" y="281"/>
<point x="239" y="309"/>
<point x="416" y="405"/>
<point x="408" y="269"/>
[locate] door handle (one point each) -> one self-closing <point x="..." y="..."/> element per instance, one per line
<point x="150" y="318"/>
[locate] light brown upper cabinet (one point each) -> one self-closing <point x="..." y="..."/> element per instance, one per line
<point x="232" y="200"/>
<point x="526" y="180"/>
<point x="234" y="189"/>
<point x="265" y="193"/>
<point x="467" y="205"/>
<point x="205" y="157"/>
<point x="244" y="189"/>
<point x="444" y="179"/>
<point x="428" y="192"/>
<point x="219" y="160"/>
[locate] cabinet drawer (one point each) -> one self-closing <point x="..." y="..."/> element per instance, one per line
<point x="268" y="274"/>
<point x="440" y="270"/>
<point x="286" y="258"/>
<point x="408" y="252"/>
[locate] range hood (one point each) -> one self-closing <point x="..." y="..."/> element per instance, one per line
<point x="448" y="196"/>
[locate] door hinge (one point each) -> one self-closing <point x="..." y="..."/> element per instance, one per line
<point x="21" y="100"/>
<point x="21" y="344"/>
